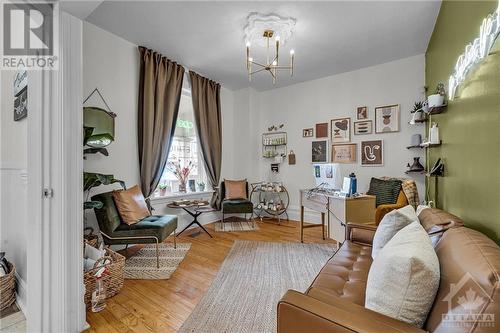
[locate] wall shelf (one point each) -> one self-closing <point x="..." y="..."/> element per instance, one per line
<point x="274" y="144"/>
<point x="423" y="172"/>
<point x="419" y="121"/>
<point x="437" y="109"/>
<point x="428" y="145"/>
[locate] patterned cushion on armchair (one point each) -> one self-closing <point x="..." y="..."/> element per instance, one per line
<point x="386" y="191"/>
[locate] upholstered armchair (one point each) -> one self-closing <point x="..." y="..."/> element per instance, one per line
<point x="153" y="229"/>
<point x="386" y="208"/>
<point x="234" y="205"/>
<point x="385" y="187"/>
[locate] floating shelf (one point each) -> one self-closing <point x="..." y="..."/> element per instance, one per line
<point x="430" y="145"/>
<point x="423" y="172"/>
<point x="429" y="175"/>
<point x="275" y="145"/>
<point x="437" y="109"/>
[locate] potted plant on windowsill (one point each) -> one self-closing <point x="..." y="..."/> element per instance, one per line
<point x="201" y="186"/>
<point x="163" y="189"/>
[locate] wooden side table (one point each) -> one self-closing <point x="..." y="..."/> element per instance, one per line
<point x="338" y="211"/>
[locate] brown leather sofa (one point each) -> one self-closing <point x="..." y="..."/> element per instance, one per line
<point x="335" y="300"/>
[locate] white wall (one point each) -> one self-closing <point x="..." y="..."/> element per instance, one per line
<point x="13" y="182"/>
<point x="305" y="104"/>
<point x="112" y="64"/>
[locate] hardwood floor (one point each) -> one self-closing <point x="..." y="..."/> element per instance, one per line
<point x="163" y="305"/>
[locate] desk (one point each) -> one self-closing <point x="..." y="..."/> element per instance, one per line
<point x="338" y="211"/>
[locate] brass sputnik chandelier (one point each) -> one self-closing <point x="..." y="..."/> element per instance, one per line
<point x="272" y="64"/>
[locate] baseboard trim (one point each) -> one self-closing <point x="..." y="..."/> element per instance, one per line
<point x="21" y="293"/>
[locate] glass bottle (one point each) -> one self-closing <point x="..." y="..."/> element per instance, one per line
<point x="99" y="294"/>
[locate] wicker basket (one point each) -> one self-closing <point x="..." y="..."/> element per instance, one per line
<point x="90" y="237"/>
<point x="113" y="281"/>
<point x="8" y="288"/>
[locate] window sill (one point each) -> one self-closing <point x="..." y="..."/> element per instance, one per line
<point x="176" y="196"/>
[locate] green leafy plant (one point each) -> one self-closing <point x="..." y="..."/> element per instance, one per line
<point x="91" y="180"/>
<point x="417" y="106"/>
<point x="162" y="186"/>
<point x="95" y="142"/>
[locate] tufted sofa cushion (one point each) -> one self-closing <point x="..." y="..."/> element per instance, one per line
<point x="344" y="275"/>
<point x="159" y="226"/>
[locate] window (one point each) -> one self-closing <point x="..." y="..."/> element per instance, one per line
<point x="184" y="149"/>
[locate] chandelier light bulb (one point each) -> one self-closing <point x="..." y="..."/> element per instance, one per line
<point x="292" y="52"/>
<point x="274" y="63"/>
<point x="248" y="44"/>
<point x="277" y="38"/>
<point x="250" y="59"/>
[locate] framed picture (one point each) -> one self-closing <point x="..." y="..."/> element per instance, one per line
<point x="307" y="132"/>
<point x="363" y="127"/>
<point x="372" y="152"/>
<point x="362" y="113"/>
<point x="387" y="119"/>
<point x="344" y="153"/>
<point x="340" y="130"/>
<point x="322" y="130"/>
<point x="319" y="151"/>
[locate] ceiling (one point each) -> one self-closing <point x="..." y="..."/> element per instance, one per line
<point x="330" y="37"/>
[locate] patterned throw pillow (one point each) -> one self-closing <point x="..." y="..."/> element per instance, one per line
<point x="385" y="191"/>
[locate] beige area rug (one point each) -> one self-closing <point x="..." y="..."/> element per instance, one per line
<point x="142" y="265"/>
<point x="236" y="225"/>
<point x="251" y="281"/>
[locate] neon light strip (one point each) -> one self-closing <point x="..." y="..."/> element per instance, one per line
<point x="476" y="51"/>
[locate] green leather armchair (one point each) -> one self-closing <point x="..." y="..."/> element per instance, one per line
<point x="235" y="206"/>
<point x="153" y="229"/>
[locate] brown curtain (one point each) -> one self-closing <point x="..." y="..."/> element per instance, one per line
<point x="206" y="105"/>
<point x="160" y="86"/>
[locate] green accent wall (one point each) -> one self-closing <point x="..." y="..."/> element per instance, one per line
<point x="470" y="126"/>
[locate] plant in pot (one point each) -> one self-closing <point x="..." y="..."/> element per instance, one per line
<point x="163" y="189"/>
<point x="201" y="186"/>
<point x="418" y="111"/>
<point x="91" y="180"/>
<point x="438" y="98"/>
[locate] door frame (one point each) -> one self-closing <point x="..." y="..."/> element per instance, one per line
<point x="55" y="286"/>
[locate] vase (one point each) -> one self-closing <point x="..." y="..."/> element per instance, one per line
<point x="416" y="166"/>
<point x="163" y="192"/>
<point x="182" y="187"/>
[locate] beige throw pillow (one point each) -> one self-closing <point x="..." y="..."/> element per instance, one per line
<point x="236" y="189"/>
<point x="131" y="205"/>
<point x="390" y="225"/>
<point x="404" y="278"/>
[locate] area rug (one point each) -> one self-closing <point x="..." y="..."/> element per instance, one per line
<point x="142" y="265"/>
<point x="255" y="275"/>
<point x="236" y="225"/>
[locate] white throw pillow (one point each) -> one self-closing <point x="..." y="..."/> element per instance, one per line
<point x="391" y="223"/>
<point x="404" y="278"/>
